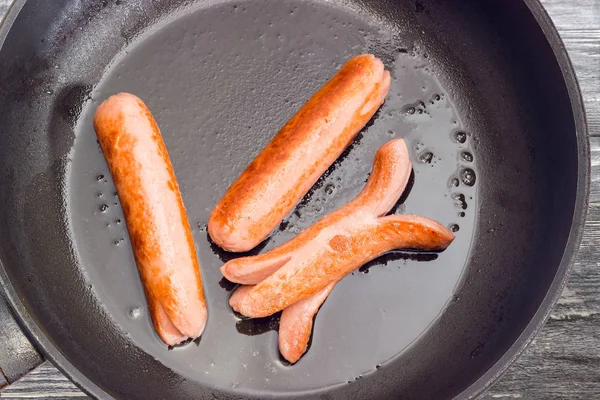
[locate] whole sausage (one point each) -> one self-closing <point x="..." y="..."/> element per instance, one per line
<point x="388" y="179"/>
<point x="353" y="243"/>
<point x="155" y="215"/>
<point x="342" y="241"/>
<point x="298" y="155"/>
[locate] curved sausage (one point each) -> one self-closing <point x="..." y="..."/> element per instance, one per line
<point x="359" y="241"/>
<point x="298" y="155"/>
<point x="343" y="240"/>
<point x="388" y="179"/>
<point x="157" y="223"/>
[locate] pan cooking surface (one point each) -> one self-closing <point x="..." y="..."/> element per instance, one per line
<point x="219" y="94"/>
<point x="478" y="94"/>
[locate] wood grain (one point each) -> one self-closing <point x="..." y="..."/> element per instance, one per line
<point x="44" y="382"/>
<point x="584" y="48"/>
<point x="4" y="8"/>
<point x="564" y="361"/>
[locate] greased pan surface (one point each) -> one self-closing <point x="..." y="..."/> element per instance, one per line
<point x="477" y="93"/>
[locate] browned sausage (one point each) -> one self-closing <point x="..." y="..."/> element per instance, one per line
<point x="341" y="241"/>
<point x="391" y="171"/>
<point x="155" y="215"/>
<point x="298" y="155"/>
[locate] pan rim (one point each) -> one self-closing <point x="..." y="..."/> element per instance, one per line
<point x="538" y="320"/>
<point x="580" y="210"/>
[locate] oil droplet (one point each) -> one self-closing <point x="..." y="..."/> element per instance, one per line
<point x="466" y="156"/>
<point x="135" y="313"/>
<point x="329" y="189"/>
<point x="454" y="182"/>
<point x="116" y="242"/>
<point x="118" y="221"/>
<point x="454" y="228"/>
<point x="410" y="110"/>
<point x="460" y="200"/>
<point x="103" y="208"/>
<point x="391" y="133"/>
<point x="420" y="111"/>
<point x="99" y="178"/>
<point x="460" y="137"/>
<point x="467" y="176"/>
<point x="437" y="97"/>
<point x="99" y="194"/>
<point x="426" y="157"/>
<point x="378" y="366"/>
<point x="461" y="214"/>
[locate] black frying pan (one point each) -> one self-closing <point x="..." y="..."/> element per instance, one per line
<point x="483" y="93"/>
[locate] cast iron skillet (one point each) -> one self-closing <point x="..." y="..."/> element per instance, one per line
<point x="483" y="92"/>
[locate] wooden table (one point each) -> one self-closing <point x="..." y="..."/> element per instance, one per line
<point x="564" y="361"/>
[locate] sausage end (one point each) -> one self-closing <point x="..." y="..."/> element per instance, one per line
<point x="226" y="237"/>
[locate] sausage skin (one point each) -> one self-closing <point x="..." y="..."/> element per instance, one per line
<point x="295" y="325"/>
<point x="298" y="155"/>
<point x="341" y="242"/>
<point x="388" y="179"/>
<point x="155" y="215"/>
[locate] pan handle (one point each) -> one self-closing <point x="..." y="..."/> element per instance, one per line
<point x="17" y="354"/>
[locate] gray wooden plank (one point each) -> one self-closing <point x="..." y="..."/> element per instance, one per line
<point x="584" y="49"/>
<point x="4" y="7"/>
<point x="44" y="382"/>
<point x="17" y="354"/>
<point x="574" y="14"/>
<point x="595" y="173"/>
